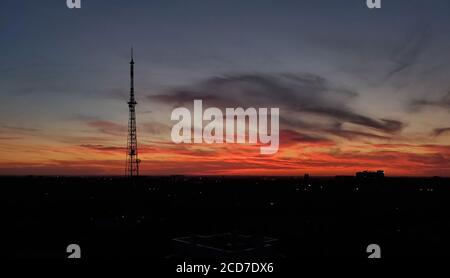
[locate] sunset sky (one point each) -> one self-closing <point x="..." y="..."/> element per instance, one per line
<point x="357" y="89"/>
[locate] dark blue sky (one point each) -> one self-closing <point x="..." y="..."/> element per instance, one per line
<point x="46" y="48"/>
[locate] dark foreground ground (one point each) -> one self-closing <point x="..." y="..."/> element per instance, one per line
<point x="225" y="218"/>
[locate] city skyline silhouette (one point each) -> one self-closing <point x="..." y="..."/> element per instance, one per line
<point x="335" y="140"/>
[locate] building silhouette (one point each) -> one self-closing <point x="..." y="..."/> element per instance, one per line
<point x="370" y="175"/>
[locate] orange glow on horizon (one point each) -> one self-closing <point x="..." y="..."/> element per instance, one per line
<point x="166" y="158"/>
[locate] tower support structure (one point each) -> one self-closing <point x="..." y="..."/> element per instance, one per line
<point x="132" y="161"/>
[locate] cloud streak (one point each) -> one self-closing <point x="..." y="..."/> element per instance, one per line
<point x="297" y="96"/>
<point x="410" y="50"/>
<point x="441" y="131"/>
<point x="419" y="104"/>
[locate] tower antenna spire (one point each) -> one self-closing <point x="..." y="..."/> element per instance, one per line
<point x="132" y="161"/>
